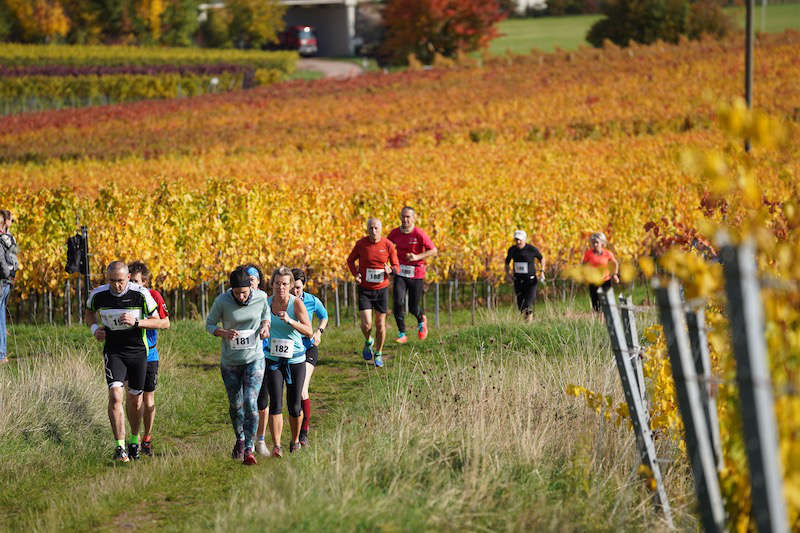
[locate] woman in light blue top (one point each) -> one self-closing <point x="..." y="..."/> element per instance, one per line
<point x="286" y="358"/>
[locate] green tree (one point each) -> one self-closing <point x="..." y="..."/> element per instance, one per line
<point x="179" y="22"/>
<point x="255" y="23"/>
<point x="646" y="21"/>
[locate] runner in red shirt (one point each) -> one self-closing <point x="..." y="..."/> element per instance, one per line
<point x="373" y="252"/>
<point x="413" y="248"/>
<point x="598" y="256"/>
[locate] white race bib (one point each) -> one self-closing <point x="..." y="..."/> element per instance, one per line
<point x="112" y="318"/>
<point x="375" y="275"/>
<point x="246" y="339"/>
<point x="408" y="271"/>
<point x="281" y="348"/>
<point x="520" y="268"/>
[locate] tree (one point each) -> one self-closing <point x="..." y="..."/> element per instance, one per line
<point x="646" y="21"/>
<point x="445" y="27"/>
<point x="255" y="23"/>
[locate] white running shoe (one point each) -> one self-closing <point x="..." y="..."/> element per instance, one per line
<point x="261" y="447"/>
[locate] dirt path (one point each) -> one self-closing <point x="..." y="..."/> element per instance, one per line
<point x="331" y="68"/>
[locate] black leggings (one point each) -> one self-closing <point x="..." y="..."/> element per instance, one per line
<point x="412" y="287"/>
<point x="596" y="297"/>
<point x="525" y="289"/>
<point x="274" y="378"/>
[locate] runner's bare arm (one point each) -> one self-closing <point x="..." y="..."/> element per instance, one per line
<point x="264" y="330"/>
<point x="99" y="332"/>
<point x="303" y="322"/>
<point x="424" y="255"/>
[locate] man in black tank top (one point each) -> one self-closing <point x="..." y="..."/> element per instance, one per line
<point x="525" y="279"/>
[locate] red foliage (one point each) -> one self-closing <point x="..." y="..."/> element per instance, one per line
<point x="428" y="27"/>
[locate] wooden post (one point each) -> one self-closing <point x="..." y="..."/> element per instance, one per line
<point x="436" y="305"/>
<point x="183" y="304"/>
<point x="336" y="300"/>
<point x="80" y="299"/>
<point x="67" y="304"/>
<point x="755" y="386"/>
<point x="696" y="321"/>
<point x="687" y="389"/>
<point x="49" y="307"/>
<point x="474" y="300"/>
<point x="632" y="338"/>
<point x="450" y="301"/>
<point x="636" y="409"/>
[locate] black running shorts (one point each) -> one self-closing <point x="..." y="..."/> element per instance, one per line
<point x="312" y="355"/>
<point x="126" y="368"/>
<point x="151" y="377"/>
<point x="373" y="299"/>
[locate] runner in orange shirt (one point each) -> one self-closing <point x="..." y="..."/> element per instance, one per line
<point x="372" y="253"/>
<point x="598" y="256"/>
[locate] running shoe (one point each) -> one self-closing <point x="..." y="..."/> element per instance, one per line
<point x="294" y="447"/>
<point x="422" y="329"/>
<point x="238" y="450"/>
<point x="402" y="338"/>
<point x="248" y="457"/>
<point x="378" y="360"/>
<point x="366" y="353"/>
<point x="133" y="451"/>
<point x="147" y="446"/>
<point x="120" y="455"/>
<point x="277" y="451"/>
<point x="261" y="448"/>
<point x="303" y="438"/>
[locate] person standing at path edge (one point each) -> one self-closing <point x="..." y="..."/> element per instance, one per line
<point x="413" y="248"/>
<point x="525" y="280"/>
<point x="8" y="271"/>
<point x="372" y="253"/>
<point x="125" y="310"/>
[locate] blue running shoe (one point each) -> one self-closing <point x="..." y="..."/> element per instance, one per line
<point x="378" y="360"/>
<point x="367" y="351"/>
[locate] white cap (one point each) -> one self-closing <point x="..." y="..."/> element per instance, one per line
<point x="599" y="236"/>
<point x="521" y="235"/>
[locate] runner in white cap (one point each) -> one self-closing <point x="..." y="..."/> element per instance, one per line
<point x="525" y="279"/>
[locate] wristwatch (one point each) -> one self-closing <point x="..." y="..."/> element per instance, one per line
<point x="321" y="330"/>
<point x="136" y="324"/>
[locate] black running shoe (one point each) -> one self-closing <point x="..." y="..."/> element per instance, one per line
<point x="238" y="450"/>
<point x="133" y="451"/>
<point x="120" y="455"/>
<point x="303" y="438"/>
<point x="294" y="447"/>
<point x="147" y="448"/>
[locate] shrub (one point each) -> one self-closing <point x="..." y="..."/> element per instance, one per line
<point x="646" y="21"/>
<point x="429" y="27"/>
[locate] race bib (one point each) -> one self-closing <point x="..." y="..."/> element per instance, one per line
<point x="112" y="318"/>
<point x="281" y="348"/>
<point x="246" y="339"/>
<point x="375" y="275"/>
<point x="520" y="268"/>
<point x="408" y="271"/>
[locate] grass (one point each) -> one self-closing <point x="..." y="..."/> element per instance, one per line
<point x="569" y="32"/>
<point x="469" y="430"/>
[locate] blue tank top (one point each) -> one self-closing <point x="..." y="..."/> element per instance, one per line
<point x="278" y="329"/>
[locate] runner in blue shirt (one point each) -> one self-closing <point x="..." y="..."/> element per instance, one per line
<point x="314" y="306"/>
<point x="141" y="274"/>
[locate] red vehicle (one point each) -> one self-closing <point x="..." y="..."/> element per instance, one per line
<point x="300" y="38"/>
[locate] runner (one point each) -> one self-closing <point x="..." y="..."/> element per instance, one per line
<point x="314" y="307"/>
<point x="413" y="248"/>
<point x="598" y="256"/>
<point x="140" y="275"/>
<point x="525" y="280"/>
<point x="286" y="359"/>
<point x="372" y="253"/>
<point x="244" y="316"/>
<point x="124" y="309"/>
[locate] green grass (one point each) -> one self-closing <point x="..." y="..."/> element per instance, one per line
<point x="569" y="32"/>
<point x="469" y="430"/>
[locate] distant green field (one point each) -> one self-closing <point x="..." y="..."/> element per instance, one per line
<point x="546" y="33"/>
